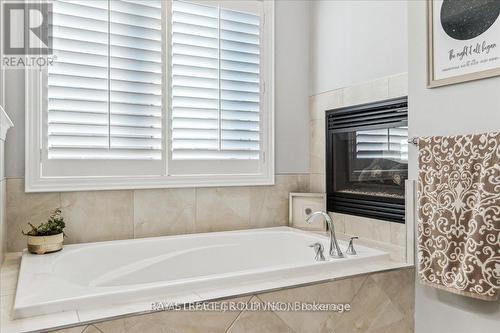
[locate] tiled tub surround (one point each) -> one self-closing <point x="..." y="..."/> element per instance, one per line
<point x="387" y="234"/>
<point x="113" y="215"/>
<point x="128" y="271"/>
<point x="380" y="303"/>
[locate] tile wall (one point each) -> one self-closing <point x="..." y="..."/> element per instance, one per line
<point x="382" y="89"/>
<point x="3" y="202"/>
<point x="111" y="215"/>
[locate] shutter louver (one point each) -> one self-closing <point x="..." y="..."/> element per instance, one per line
<point x="215" y="83"/>
<point x="105" y="87"/>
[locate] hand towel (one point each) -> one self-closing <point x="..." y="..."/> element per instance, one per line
<point x="458" y="232"/>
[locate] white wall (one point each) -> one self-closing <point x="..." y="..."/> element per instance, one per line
<point x="464" y="108"/>
<point x="292" y="86"/>
<point x="356" y="41"/>
<point x="292" y="82"/>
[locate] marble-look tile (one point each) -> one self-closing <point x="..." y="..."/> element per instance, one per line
<point x="398" y="286"/>
<point x="23" y="208"/>
<point x="317" y="148"/>
<point x="269" y="204"/>
<point x="184" y="321"/>
<point x="164" y="212"/>
<point x="402" y="326"/>
<point x="398" y="85"/>
<point x="341" y="291"/>
<point x="3" y="218"/>
<point x="98" y="215"/>
<point x="234" y="208"/>
<point x="259" y="322"/>
<point x="8" y="279"/>
<point x="398" y="254"/>
<point x="371" y="309"/>
<point x="303" y="183"/>
<point x="222" y="208"/>
<point x="79" y="329"/>
<point x="317" y="182"/>
<point x="12" y="259"/>
<point x="368" y="92"/>
<point x="320" y="103"/>
<point x="398" y="234"/>
<point x="338" y="222"/>
<point x="2" y="159"/>
<point x="92" y="329"/>
<point x="363" y="227"/>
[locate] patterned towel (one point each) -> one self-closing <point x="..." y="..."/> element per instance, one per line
<point x="459" y="214"/>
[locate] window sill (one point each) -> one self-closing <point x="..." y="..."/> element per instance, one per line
<point x="67" y="184"/>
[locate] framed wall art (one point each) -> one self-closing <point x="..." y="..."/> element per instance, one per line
<point x="463" y="40"/>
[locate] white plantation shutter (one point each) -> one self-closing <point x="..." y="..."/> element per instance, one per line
<point x="104" y="91"/>
<point x="216" y="83"/>
<point x="153" y="94"/>
<point x="388" y="143"/>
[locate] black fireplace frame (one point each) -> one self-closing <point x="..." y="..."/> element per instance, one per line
<point x="392" y="112"/>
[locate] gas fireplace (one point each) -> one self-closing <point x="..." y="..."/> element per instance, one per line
<point x="367" y="159"/>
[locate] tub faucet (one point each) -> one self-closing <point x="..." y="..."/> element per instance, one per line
<point x="318" y="250"/>
<point x="335" y="251"/>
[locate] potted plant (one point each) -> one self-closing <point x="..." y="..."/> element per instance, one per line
<point x="48" y="236"/>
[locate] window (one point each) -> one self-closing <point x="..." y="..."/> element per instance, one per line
<point x="150" y="93"/>
<point x="215" y="73"/>
<point x="105" y="88"/>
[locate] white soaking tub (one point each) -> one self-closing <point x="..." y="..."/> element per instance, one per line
<point x="93" y="275"/>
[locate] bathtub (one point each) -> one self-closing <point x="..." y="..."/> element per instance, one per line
<point x="92" y="275"/>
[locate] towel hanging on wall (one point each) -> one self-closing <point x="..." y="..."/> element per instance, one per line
<point x="459" y="214"/>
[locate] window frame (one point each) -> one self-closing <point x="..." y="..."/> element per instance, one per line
<point x="35" y="181"/>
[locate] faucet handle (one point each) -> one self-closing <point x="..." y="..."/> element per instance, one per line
<point x="318" y="250"/>
<point x="350" y="249"/>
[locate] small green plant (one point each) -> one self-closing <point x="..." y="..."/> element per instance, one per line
<point x="53" y="226"/>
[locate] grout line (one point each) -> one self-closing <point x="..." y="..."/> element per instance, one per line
<point x="350" y="301"/>
<point x="277" y="316"/>
<point x="133" y="214"/>
<point x="360" y="287"/>
<point x="357" y="84"/>
<point x="236" y="318"/>
<point x="195" y="209"/>
<point x="95" y="327"/>
<point x="234" y="321"/>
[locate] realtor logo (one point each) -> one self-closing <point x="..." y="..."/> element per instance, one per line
<point x="26" y="28"/>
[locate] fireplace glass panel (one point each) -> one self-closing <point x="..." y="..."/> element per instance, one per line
<point x="371" y="161"/>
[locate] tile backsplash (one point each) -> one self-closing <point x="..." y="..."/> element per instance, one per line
<point x="111" y="215"/>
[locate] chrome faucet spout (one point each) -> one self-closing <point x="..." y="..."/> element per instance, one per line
<point x="335" y="251"/>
